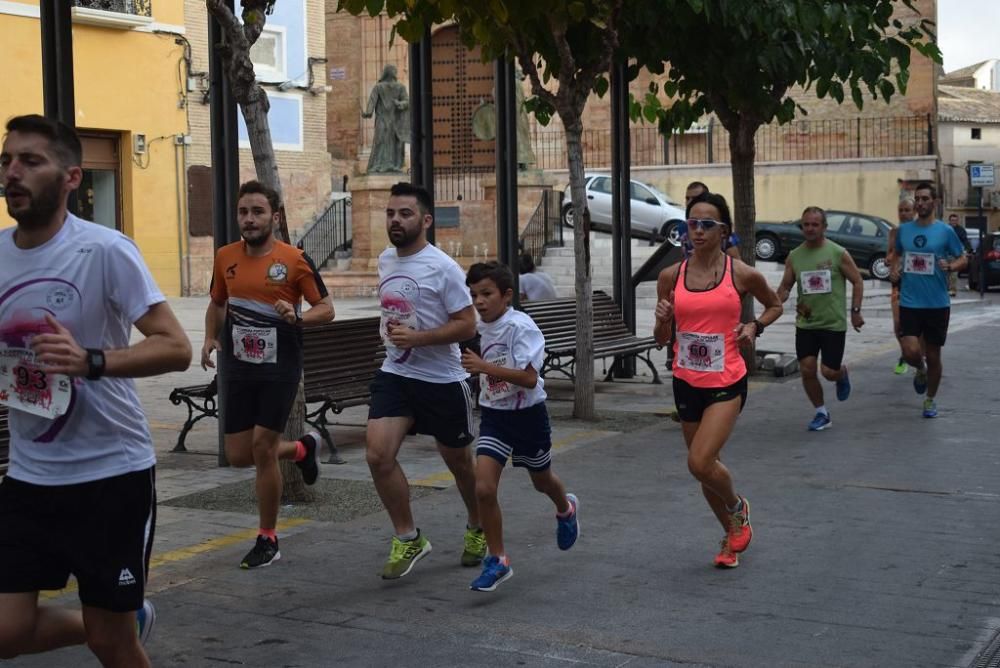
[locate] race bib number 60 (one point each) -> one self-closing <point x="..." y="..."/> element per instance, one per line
<point x="701" y="352"/>
<point x="25" y="386"/>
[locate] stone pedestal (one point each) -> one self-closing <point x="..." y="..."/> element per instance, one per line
<point x="530" y="184"/>
<point x="369" y="196"/>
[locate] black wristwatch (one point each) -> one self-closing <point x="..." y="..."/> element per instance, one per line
<point x="760" y="327"/>
<point x="95" y="363"/>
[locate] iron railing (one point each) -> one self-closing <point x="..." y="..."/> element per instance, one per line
<point x="453" y="184"/>
<point x="134" y="7"/>
<point x="828" y="139"/>
<point x="544" y="229"/>
<point x="329" y="233"/>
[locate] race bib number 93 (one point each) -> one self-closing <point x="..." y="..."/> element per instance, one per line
<point x="25" y="386"/>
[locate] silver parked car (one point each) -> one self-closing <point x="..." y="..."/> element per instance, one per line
<point x="655" y="216"/>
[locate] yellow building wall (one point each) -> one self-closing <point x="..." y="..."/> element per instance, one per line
<point x="125" y="81"/>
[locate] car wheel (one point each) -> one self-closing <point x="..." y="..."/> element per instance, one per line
<point x="567" y="215"/>
<point x="767" y="247"/>
<point x="878" y="267"/>
<point x="671" y="231"/>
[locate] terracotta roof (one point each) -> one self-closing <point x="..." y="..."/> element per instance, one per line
<point x="968" y="105"/>
<point x="966" y="71"/>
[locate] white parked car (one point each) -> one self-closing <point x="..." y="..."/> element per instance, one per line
<point x="655" y="216"/>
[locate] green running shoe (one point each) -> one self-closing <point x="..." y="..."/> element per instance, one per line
<point x="900" y="367"/>
<point x="404" y="555"/>
<point x="475" y="547"/>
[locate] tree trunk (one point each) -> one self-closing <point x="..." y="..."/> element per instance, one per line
<point x="583" y="385"/>
<point x="743" y="151"/>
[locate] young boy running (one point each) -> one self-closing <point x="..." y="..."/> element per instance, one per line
<point x="515" y="423"/>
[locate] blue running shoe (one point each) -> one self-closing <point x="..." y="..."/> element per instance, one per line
<point x="930" y="408"/>
<point x="145" y="618"/>
<point x="920" y="381"/>
<point x="568" y="527"/>
<point x="494" y="572"/>
<point x="844" y="386"/>
<point x="820" y="422"/>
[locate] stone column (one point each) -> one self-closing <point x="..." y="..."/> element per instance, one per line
<point x="530" y="185"/>
<point x="369" y="196"/>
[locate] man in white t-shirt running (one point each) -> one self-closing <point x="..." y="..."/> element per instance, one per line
<point x="79" y="496"/>
<point x="421" y="388"/>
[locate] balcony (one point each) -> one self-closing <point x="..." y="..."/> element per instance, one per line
<point x="119" y="14"/>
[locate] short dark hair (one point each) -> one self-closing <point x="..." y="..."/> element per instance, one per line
<point x="952" y="215"/>
<point x="927" y="185"/>
<point x="258" y="188"/>
<point x="493" y="270"/>
<point x="404" y="189"/>
<point x="526" y="264"/>
<point x="64" y="141"/>
<point x="814" y="209"/>
<point x="716" y="200"/>
<point x="697" y="184"/>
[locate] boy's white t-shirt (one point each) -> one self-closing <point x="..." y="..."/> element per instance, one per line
<point x="421" y="291"/>
<point x="93" y="281"/>
<point x="514" y="341"/>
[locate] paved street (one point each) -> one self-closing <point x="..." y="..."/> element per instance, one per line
<point x="875" y="541"/>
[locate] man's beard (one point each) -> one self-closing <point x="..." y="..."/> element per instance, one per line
<point x="41" y="205"/>
<point x="409" y="236"/>
<point x="258" y="241"/>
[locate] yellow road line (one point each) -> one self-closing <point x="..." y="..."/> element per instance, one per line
<point x="436" y="479"/>
<point x="184" y="553"/>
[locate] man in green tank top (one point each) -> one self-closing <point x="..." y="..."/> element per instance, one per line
<point x="821" y="268"/>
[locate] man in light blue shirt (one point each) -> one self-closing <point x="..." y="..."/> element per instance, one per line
<point x="922" y="251"/>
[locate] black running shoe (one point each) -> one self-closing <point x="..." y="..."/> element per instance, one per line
<point x="264" y="552"/>
<point x="310" y="463"/>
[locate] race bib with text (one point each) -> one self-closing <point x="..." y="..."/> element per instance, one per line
<point x="816" y="282"/>
<point x="701" y="352"/>
<point x="918" y="263"/>
<point x="256" y="345"/>
<point x="25" y="386"/>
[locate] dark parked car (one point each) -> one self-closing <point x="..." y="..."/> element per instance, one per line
<point x="865" y="238"/>
<point x="992" y="242"/>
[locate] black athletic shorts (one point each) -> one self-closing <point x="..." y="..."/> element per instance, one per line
<point x="443" y="410"/>
<point x="692" y="401"/>
<point x="931" y="323"/>
<point x="823" y="343"/>
<point x="258" y="403"/>
<point x="101" y="532"/>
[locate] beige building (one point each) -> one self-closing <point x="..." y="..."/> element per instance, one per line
<point x="984" y="75"/>
<point x="289" y="60"/>
<point x="969" y="128"/>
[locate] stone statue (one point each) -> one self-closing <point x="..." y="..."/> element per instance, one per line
<point x="390" y="105"/>
<point x="525" y="156"/>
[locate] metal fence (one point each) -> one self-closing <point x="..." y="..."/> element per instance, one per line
<point x="828" y="139"/>
<point x="454" y="184"/>
<point x="136" y="7"/>
<point x="544" y="229"/>
<point x="329" y="233"/>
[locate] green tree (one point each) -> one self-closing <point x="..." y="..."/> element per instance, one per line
<point x="565" y="49"/>
<point x="742" y="61"/>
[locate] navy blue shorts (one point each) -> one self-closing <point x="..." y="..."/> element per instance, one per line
<point x="522" y="435"/>
<point x="442" y="410"/>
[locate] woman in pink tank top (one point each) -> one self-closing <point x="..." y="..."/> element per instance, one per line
<point x="702" y="297"/>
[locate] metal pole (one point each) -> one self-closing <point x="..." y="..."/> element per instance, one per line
<point x="225" y="181"/>
<point x="506" y="169"/>
<point x="984" y="230"/>
<point x="416" y="119"/>
<point x="422" y="119"/>
<point x="58" y="90"/>
<point x="621" y="216"/>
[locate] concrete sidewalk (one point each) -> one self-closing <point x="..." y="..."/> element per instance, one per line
<point x="874" y="543"/>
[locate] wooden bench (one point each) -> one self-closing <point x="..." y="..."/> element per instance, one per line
<point x="4" y="441"/>
<point x="612" y="338"/>
<point x="340" y="361"/>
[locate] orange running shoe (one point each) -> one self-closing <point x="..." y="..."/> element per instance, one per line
<point x="740" y="531"/>
<point x="726" y="558"/>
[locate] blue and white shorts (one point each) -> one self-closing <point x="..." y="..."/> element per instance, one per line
<point x="522" y="435"/>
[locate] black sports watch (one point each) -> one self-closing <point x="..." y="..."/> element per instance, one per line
<point x="760" y="327"/>
<point x="95" y="363"/>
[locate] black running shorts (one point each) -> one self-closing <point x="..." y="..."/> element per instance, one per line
<point x="258" y="403"/>
<point x="443" y="410"/>
<point x="101" y="532"/>
<point x="692" y="401"/>
<point x="930" y="323"/>
<point x="826" y="344"/>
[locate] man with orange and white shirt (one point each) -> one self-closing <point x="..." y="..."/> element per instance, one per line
<point x="257" y="288"/>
